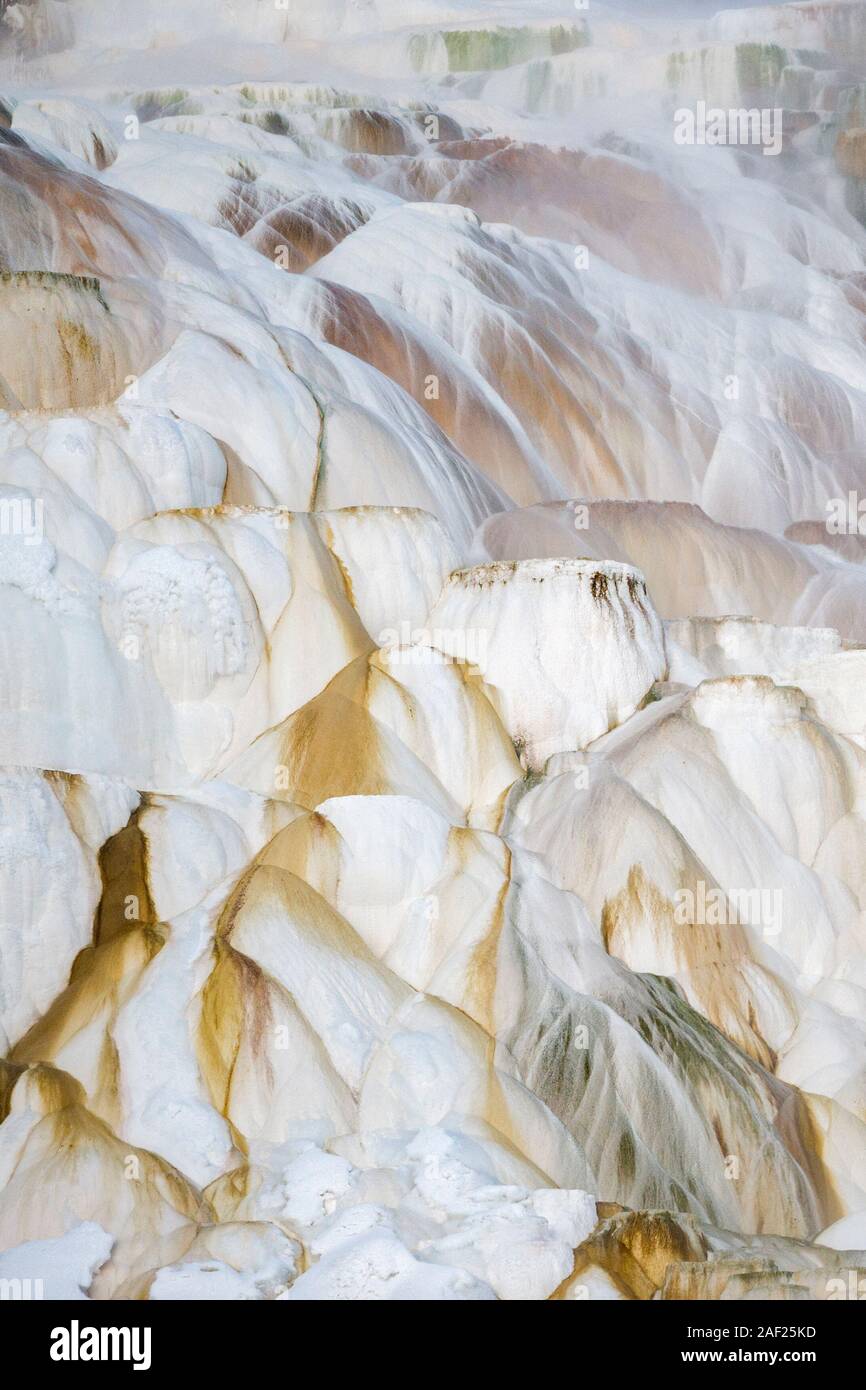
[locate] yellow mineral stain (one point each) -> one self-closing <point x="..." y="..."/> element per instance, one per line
<point x="706" y="961"/>
<point x="480" y="997"/>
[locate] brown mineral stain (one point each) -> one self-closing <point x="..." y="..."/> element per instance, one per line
<point x="634" y="1249"/>
<point x="480" y="996"/>
<point x="124" y="869"/>
<point x="598" y="587"/>
<point x="9" y="1074"/>
<point x="235" y="1007"/>
<point x="102" y="978"/>
<point x="798" y="1127"/>
<point x="348" y="588"/>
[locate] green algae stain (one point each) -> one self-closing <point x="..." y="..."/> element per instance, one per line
<point x="484" y="50"/>
<point x="759" y="66"/>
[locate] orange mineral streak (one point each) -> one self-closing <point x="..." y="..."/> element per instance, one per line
<point x="94" y="1176"/>
<point x="62" y="221"/>
<point x="433" y="377"/>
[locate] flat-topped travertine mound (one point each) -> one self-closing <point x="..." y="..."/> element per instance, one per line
<point x="720" y="570"/>
<point x="568" y="648"/>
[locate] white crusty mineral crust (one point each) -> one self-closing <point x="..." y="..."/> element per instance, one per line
<point x="432" y="665"/>
<point x="568" y="648"/>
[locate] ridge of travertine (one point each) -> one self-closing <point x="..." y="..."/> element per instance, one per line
<point x="432" y="668"/>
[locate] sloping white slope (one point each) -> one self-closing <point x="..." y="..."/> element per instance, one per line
<point x="432" y="716"/>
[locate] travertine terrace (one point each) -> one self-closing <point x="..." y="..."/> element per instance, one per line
<point x="433" y="650"/>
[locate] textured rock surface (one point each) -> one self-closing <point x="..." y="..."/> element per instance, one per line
<point x="432" y="668"/>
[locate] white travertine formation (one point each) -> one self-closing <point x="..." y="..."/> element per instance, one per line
<point x="433" y="656"/>
<point x="568" y="648"/>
